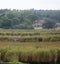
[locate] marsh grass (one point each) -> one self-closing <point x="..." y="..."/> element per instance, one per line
<point x="31" y="39"/>
<point x="30" y="54"/>
<point x="37" y="52"/>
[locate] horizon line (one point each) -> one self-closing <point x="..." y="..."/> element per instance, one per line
<point x="26" y="9"/>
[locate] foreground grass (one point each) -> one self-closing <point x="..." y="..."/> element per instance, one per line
<point x="30" y="53"/>
<point x="12" y="63"/>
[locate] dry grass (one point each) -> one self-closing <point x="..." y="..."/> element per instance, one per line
<point x="44" y="44"/>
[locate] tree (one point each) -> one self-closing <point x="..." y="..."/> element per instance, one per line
<point x="26" y="24"/>
<point x="49" y="23"/>
<point x="6" y="24"/>
<point x="26" y="18"/>
<point x="33" y="17"/>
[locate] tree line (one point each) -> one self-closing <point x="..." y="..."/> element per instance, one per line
<point x="24" y="19"/>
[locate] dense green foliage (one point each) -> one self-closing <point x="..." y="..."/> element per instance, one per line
<point x="24" y="19"/>
<point x="49" y="24"/>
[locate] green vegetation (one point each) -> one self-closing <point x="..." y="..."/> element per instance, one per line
<point x="29" y="46"/>
<point x="25" y="19"/>
<point x="31" y="39"/>
<point x="30" y="35"/>
<point x="20" y="43"/>
<point x="49" y="24"/>
<point x="30" y="54"/>
<point x="12" y="63"/>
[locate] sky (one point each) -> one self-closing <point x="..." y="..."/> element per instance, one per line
<point x="29" y="4"/>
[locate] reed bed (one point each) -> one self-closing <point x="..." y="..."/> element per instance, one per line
<point x="30" y="54"/>
<point x="30" y="39"/>
<point x="30" y="46"/>
<point x="28" y="32"/>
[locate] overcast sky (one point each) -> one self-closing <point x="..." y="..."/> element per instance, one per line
<point x="28" y="4"/>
